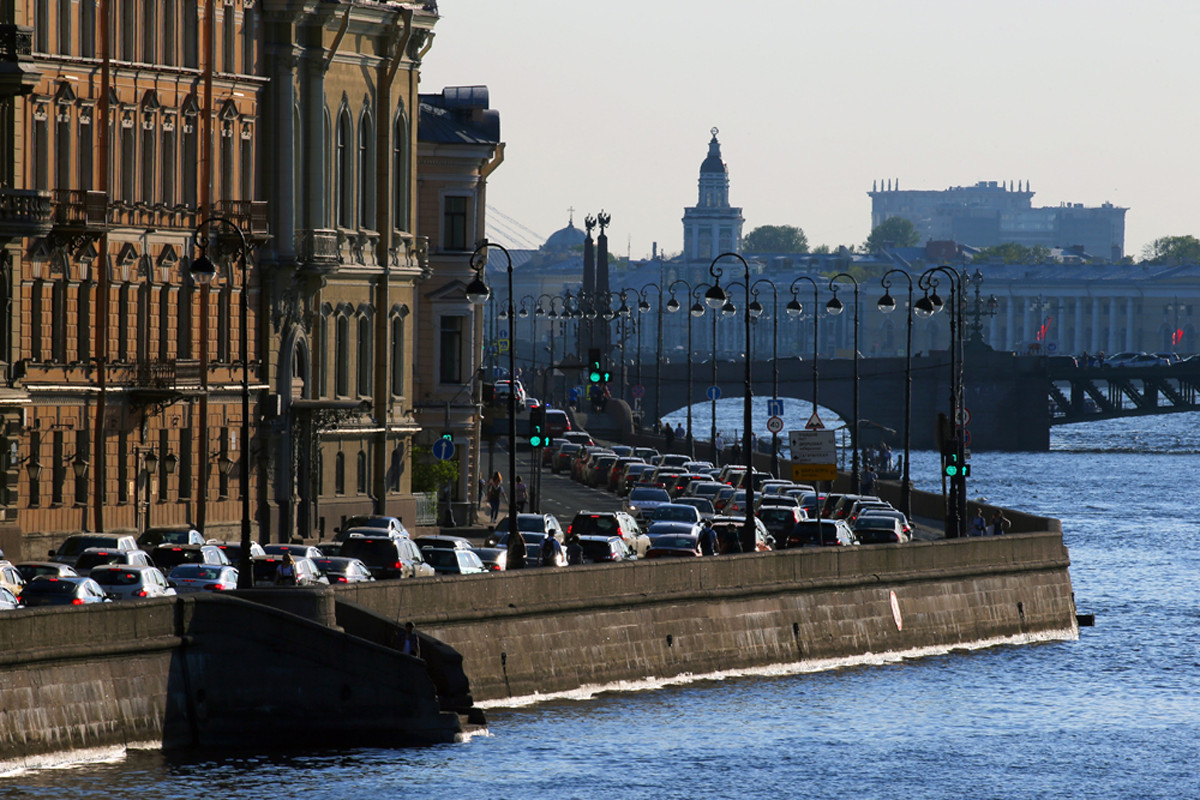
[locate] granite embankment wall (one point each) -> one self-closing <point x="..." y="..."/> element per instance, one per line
<point x="555" y="630"/>
<point x="208" y="671"/>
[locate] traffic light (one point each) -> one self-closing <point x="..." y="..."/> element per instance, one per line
<point x="537" y="427"/>
<point x="596" y="372"/>
<point x="952" y="467"/>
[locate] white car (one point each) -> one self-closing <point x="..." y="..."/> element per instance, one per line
<point x="131" y="581"/>
<point x="500" y="394"/>
<point x="643" y="500"/>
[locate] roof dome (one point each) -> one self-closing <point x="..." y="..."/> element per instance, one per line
<point x="565" y="238"/>
<point x="713" y="162"/>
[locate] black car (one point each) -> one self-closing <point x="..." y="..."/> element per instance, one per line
<point x="387" y="557"/>
<point x="168" y="556"/>
<point x="48" y="590"/>
<point x="834" y="533"/>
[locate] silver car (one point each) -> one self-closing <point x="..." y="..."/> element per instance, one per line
<point x="131" y="581"/>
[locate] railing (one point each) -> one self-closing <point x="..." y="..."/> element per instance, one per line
<point x="16" y="42"/>
<point x="427" y="508"/>
<point x="79" y="208"/>
<point x="167" y="374"/>
<point x="27" y="209"/>
<point x="317" y="248"/>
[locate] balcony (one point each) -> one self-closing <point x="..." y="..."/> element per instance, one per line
<point x="249" y="215"/>
<point x="79" y="211"/>
<point x="317" y="251"/>
<point x="24" y="212"/>
<point x="18" y="72"/>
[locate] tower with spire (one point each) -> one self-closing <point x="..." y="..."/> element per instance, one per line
<point x="712" y="226"/>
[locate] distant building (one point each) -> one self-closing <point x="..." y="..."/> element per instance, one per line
<point x="712" y="226"/>
<point x="991" y="213"/>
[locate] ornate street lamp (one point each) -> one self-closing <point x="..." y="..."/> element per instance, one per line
<point x="834" y="307"/>
<point x="774" y="361"/>
<point x="203" y="271"/>
<point x="695" y="311"/>
<point x="887" y="304"/>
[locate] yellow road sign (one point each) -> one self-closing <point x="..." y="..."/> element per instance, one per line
<point x="814" y="472"/>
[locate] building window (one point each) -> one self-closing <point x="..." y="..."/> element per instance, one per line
<point x="401" y="173"/>
<point x="343" y="178"/>
<point x="42" y="157"/>
<point x="168" y="168"/>
<point x="339" y="473"/>
<point x="41" y="26"/>
<point x="164" y="449"/>
<point x="361" y="477"/>
<point x="364" y="355"/>
<point x="87" y="29"/>
<point x="62" y="148"/>
<point x="58" y="468"/>
<point x="143" y="322"/>
<point x="366" y="172"/>
<point x="58" y="313"/>
<point x="148" y="162"/>
<point x="122" y="454"/>
<point x="35" y="320"/>
<point x="190" y="38"/>
<point x="223" y="481"/>
<point x="85" y="149"/>
<point x="450" y="363"/>
<point x="83" y="338"/>
<point x="322" y="365"/>
<point x="128" y="161"/>
<point x="224" y="320"/>
<point x="35" y="457"/>
<point x="249" y="24"/>
<point x="454" y="223"/>
<point x="394" y="471"/>
<point x="164" y="322"/>
<point x="81" y="482"/>
<point x="247" y="168"/>
<point x="183" y="347"/>
<point x="397" y="365"/>
<point x="229" y="40"/>
<point x="341" y="358"/>
<point x="150" y="32"/>
<point x="188" y="158"/>
<point x="185" y="466"/>
<point x="169" y="56"/>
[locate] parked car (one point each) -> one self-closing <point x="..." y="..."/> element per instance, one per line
<point x="679" y="545"/>
<point x="68" y="553"/>
<point x="391" y="524"/>
<point x="604" y="549"/>
<point x="833" y="533"/>
<point x="610" y="523"/>
<point x="387" y="557"/>
<point x="454" y="562"/>
<point x="879" y="530"/>
<point x="168" y="556"/>
<point x="99" y="556"/>
<point x="339" y="569"/>
<point x="202" y="578"/>
<point x="32" y="569"/>
<point x="131" y="582"/>
<point x="52" y="590"/>
<point x="266" y="571"/>
<point x="642" y="500"/>
<point x="169" y="534"/>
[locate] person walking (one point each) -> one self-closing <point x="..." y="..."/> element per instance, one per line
<point x="410" y="643"/>
<point x="495" y="491"/>
<point x="868" y="480"/>
<point x="574" y="551"/>
<point x="999" y="523"/>
<point x="551" y="552"/>
<point x="522" y="495"/>
<point x="285" y="573"/>
<point x="720" y="446"/>
<point x="979" y="524"/>
<point x="517" y="552"/>
<point x="708" y="539"/>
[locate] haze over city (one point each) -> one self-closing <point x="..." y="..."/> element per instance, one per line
<point x="609" y="105"/>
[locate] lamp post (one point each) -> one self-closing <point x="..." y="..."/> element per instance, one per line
<point x="203" y="271"/>
<point x="887" y="304"/>
<point x="774" y="362"/>
<point x="523" y="313"/>
<point x="928" y="305"/>
<point x="623" y="313"/>
<point x="795" y="309"/>
<point x="475" y="290"/>
<point x="555" y="318"/>
<point x="834" y="307"/>
<point x="716" y="298"/>
<point x="695" y="311"/>
<point x="980" y="308"/>
<point x="644" y="305"/>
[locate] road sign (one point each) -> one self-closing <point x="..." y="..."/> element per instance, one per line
<point x="814" y="455"/>
<point x="443" y="449"/>
<point x="775" y="408"/>
<point x="966" y="438"/>
<point x="638" y="390"/>
<point x="814" y="423"/>
<point x="775" y="424"/>
<point x="964" y="417"/>
<point x="713" y="393"/>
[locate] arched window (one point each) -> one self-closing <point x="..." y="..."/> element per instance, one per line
<point x="361" y="477"/>
<point x="62" y="148"/>
<point x="164" y="322"/>
<point x="168" y="164"/>
<point x="339" y="473"/>
<point x="364" y="355"/>
<point x="366" y="171"/>
<point x="343" y="178"/>
<point x="84" y="132"/>
<point x="397" y="361"/>
<point x="149" y="158"/>
<point x="401" y="172"/>
<point x="341" y="358"/>
<point x="322" y="349"/>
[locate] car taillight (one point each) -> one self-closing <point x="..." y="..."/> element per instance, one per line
<point x="140" y="593"/>
<point x="215" y="587"/>
<point x="569" y="529"/>
<point x="76" y="601"/>
<point x="398" y="565"/>
<point x="340" y="579"/>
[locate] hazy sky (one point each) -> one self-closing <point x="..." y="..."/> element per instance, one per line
<point x="608" y="105"/>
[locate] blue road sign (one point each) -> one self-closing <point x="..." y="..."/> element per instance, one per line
<point x="638" y="390"/>
<point x="775" y="407"/>
<point x="713" y="393"/>
<point x="443" y="449"/>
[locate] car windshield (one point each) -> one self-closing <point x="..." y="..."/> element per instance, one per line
<point x="595" y="550"/>
<point x="196" y="572"/>
<point x="675" y="514"/>
<point x="441" y="558"/>
<point x="89" y="560"/>
<point x="681" y="542"/>
<point x="74" y="545"/>
<point x="650" y="494"/>
<point x="48" y="586"/>
<point x="370" y="551"/>
<point x="594" y="523"/>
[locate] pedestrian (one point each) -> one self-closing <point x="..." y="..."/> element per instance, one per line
<point x="495" y="490"/>
<point x="735" y="453"/>
<point x="574" y="551"/>
<point x="285" y="573"/>
<point x="521" y="493"/>
<point x="868" y="480"/>
<point x="679" y="432"/>
<point x="410" y="643"/>
<point x="979" y="525"/>
<point x="708" y="539"/>
<point x="482" y="491"/>
<point x="517" y="552"/>
<point x="551" y="553"/>
<point x="999" y="523"/>
<point x="669" y="435"/>
<point x="720" y="445"/>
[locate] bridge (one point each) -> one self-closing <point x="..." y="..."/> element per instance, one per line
<point x="1013" y="400"/>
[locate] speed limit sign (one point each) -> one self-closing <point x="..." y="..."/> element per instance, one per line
<point x="775" y="424"/>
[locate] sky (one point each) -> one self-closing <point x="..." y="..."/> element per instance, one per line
<point x="608" y="106"/>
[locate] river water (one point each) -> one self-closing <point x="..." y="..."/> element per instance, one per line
<point x="1115" y="714"/>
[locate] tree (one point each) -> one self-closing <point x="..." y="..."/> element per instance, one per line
<point x="1177" y="249"/>
<point x="1013" y="253"/>
<point x="893" y="232"/>
<point x="775" y="239"/>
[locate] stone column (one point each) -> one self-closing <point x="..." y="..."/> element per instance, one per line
<point x="1094" y="345"/>
<point x="1113" y="343"/>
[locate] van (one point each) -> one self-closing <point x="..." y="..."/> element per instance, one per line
<point x="74" y="545"/>
<point x="557" y="422"/>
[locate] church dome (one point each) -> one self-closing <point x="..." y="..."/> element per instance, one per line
<point x="713" y="162"/>
<point x="565" y="238"/>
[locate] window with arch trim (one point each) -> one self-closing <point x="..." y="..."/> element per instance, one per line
<point x="361" y="478"/>
<point x="339" y="473"/>
<point x="365" y="337"/>
<point x="343" y="169"/>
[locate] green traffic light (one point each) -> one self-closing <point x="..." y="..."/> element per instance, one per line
<point x="535" y="441"/>
<point x="594" y="377"/>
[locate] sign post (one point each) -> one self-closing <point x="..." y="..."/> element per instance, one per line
<point x="814" y="455"/>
